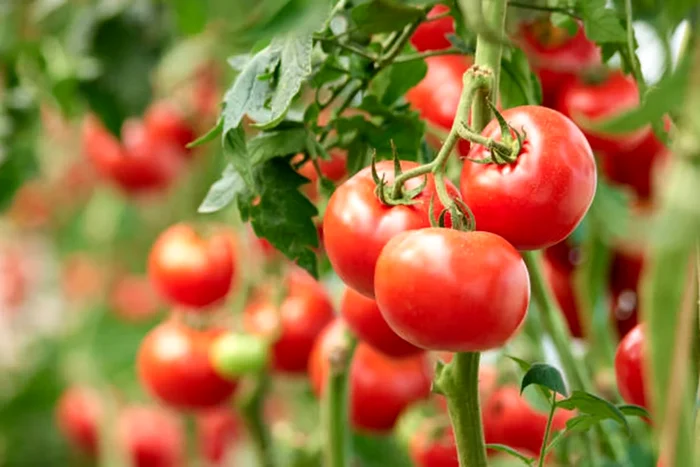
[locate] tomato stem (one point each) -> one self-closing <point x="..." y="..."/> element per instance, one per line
<point x="548" y="429"/>
<point x="251" y="411"/>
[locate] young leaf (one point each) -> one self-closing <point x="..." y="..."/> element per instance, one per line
<point x="525" y="366"/>
<point x="271" y="144"/>
<point x="601" y="24"/>
<point x="509" y="450"/>
<point x="223" y="191"/>
<point x="631" y="410"/>
<point x="208" y="136"/>
<point x="546" y="376"/>
<point x="595" y="406"/>
<point x="378" y="16"/>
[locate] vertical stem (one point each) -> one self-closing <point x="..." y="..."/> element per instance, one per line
<point x="251" y="411"/>
<point x="545" y="441"/>
<point x="335" y="420"/>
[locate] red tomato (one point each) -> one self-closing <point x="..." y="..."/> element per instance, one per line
<point x="434" y="449"/>
<point x="432" y="34"/>
<point x="82" y="278"/>
<point x="153" y="437"/>
<point x="508" y="419"/>
<point x="173" y="364"/>
<point x="133" y="298"/>
<point x="539" y="199"/>
<point x="600" y="101"/>
<point x="629" y="367"/>
<point x="430" y="282"/>
<point x="564" y="255"/>
<point x="165" y="122"/>
<point x="14" y="278"/>
<point x="625" y="274"/>
<point x="380" y="387"/>
<point x="363" y="317"/>
<point x="436" y="97"/>
<point x="556" y="56"/>
<point x="356" y="225"/>
<point x="189" y="270"/>
<point x="333" y="169"/>
<point x="217" y="431"/>
<point x="78" y="414"/>
<point x="32" y="206"/>
<point x="560" y="280"/>
<point x="305" y="310"/>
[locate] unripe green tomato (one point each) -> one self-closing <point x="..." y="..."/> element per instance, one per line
<point x="234" y="355"/>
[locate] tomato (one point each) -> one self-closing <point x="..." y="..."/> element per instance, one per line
<point x="560" y="279"/>
<point x="133" y="298"/>
<point x="557" y="56"/>
<point x="189" y="270"/>
<point x="173" y="364"/>
<point x="303" y="313"/>
<point x="432" y="34"/>
<point x="565" y="255"/>
<point x="333" y="169"/>
<point x="165" y="122"/>
<point x="508" y="419"/>
<point x="14" y="278"/>
<point x="430" y="282"/>
<point x="436" y="97"/>
<point x="599" y="101"/>
<point x="78" y="414"/>
<point x="380" y="387"/>
<point x="433" y="449"/>
<point x="82" y="278"/>
<point x="356" y="225"/>
<point x="152" y="436"/>
<point x="629" y="367"/>
<point x="539" y="199"/>
<point x="625" y="274"/>
<point x="363" y="317"/>
<point x="217" y="432"/>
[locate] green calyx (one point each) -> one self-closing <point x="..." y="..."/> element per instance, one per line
<point x="505" y="151"/>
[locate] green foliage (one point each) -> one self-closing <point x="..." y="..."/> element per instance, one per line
<point x="546" y="376"/>
<point x="592" y="409"/>
<point x="517" y="83"/>
<point x="378" y="16"/>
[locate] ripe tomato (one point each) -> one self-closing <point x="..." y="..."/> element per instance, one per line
<point x="629" y="367"/>
<point x="429" y="282"/>
<point x="625" y="274"/>
<point x="217" y="431"/>
<point x="173" y="364"/>
<point x="133" y="298"/>
<point x="380" y="387"/>
<point x="303" y="313"/>
<point x="152" y="436"/>
<point x="363" y="317"/>
<point x="560" y="280"/>
<point x="557" y="56"/>
<point x="432" y="34"/>
<point x="433" y="449"/>
<point x="333" y="169"/>
<point x="78" y="414"/>
<point x="189" y="270"/>
<point x="508" y="419"/>
<point x="436" y="97"/>
<point x="165" y="122"/>
<point x="356" y="225"/>
<point x="616" y="94"/>
<point x="539" y="199"/>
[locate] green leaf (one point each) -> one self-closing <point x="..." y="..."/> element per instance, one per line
<point x="546" y="376"/>
<point x="223" y="191"/>
<point x="378" y="16"/>
<point x="510" y="451"/>
<point x="564" y="21"/>
<point x="391" y="83"/>
<point x="631" y="410"/>
<point x="517" y="83"/>
<point x="191" y="16"/>
<point x="379" y="451"/>
<point x="525" y="366"/>
<point x="236" y="150"/>
<point x="582" y="423"/>
<point x="208" y="136"/>
<point x="601" y="24"/>
<point x="267" y="145"/>
<point x="594" y="406"/>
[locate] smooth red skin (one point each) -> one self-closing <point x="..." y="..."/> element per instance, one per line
<point x="152" y="436"/>
<point x="439" y="452"/>
<point x="508" y="419"/>
<point x="217" y="431"/>
<point x="380" y="387"/>
<point x="173" y="364"/>
<point x="364" y="319"/>
<point x="557" y="62"/>
<point x="432" y="35"/>
<point x="560" y="280"/>
<point x="356" y="225"/>
<point x="78" y="414"/>
<point x="191" y="271"/>
<point x="302" y="315"/>
<point x="436" y="97"/>
<point x="629" y="367"/>
<point x="133" y="298"/>
<point x="431" y="283"/>
<point x="617" y="94"/>
<point x="539" y="199"/>
<point x="625" y="274"/>
<point x="164" y="121"/>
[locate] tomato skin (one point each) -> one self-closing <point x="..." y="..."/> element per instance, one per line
<point x="356" y="225"/>
<point x="217" y="431"/>
<point x="560" y="280"/>
<point x="334" y="169"/>
<point x="617" y="94"/>
<point x="380" y="387"/>
<point x="436" y="97"/>
<point x="165" y="122"/>
<point x="363" y="317"/>
<point x="78" y="414"/>
<point x="629" y="367"/>
<point x="432" y="35"/>
<point x="152" y="436"/>
<point x="302" y="315"/>
<point x="438" y="452"/>
<point x="173" y="364"/>
<point x="539" y="199"/>
<point x="428" y="281"/>
<point x="189" y="270"/>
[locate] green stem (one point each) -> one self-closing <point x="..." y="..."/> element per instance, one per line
<point x="551" y="9"/>
<point x="543" y="449"/>
<point x="397" y="46"/>
<point x="459" y="382"/>
<point x="424" y="55"/>
<point x="251" y="411"/>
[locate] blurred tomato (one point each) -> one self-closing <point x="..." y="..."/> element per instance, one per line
<point x="31" y="205"/>
<point x="434" y="448"/>
<point x="630" y="367"/>
<point x="165" y="122"/>
<point x="151" y="436"/>
<point x="432" y="34"/>
<point x="217" y="431"/>
<point x="133" y="298"/>
<point x="78" y="414"/>
<point x="82" y="279"/>
<point x="560" y="279"/>
<point x="625" y="273"/>
<point x="13" y="278"/>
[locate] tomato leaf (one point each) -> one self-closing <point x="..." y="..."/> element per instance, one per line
<point x="378" y="16"/>
<point x="632" y="410"/>
<point x="379" y="451"/>
<point x="581" y="423"/>
<point x="517" y="84"/>
<point x="236" y="150"/>
<point x="391" y="83"/>
<point x="593" y="406"/>
<point x="564" y="21"/>
<point x="208" y="136"/>
<point x="546" y="376"/>
<point x="223" y="191"/>
<point x="525" y="366"/>
<point x="510" y="451"/>
<point x="601" y="24"/>
<point x="271" y="144"/>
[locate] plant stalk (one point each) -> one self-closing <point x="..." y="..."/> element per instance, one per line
<point x="251" y="411"/>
